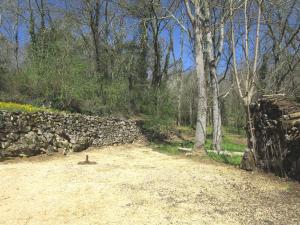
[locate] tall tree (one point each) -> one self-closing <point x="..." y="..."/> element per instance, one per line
<point x="214" y="48"/>
<point x="93" y="10"/>
<point x="198" y="24"/>
<point x="246" y="84"/>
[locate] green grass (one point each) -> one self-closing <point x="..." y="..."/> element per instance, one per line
<point x="167" y="148"/>
<point x="232" y="160"/>
<point x="231" y="142"/>
<point x="11" y="106"/>
<point x="171" y="148"/>
<point x="227" y="145"/>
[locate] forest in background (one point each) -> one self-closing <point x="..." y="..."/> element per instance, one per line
<point x="185" y="62"/>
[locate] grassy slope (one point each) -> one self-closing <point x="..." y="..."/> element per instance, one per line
<point x="231" y="142"/>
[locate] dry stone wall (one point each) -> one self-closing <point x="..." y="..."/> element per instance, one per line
<point x="27" y="134"/>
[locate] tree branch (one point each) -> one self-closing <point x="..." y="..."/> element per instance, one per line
<point x="189" y="12"/>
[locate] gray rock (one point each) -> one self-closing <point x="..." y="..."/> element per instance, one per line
<point x="73" y="139"/>
<point x="25" y="129"/>
<point x="61" y="142"/>
<point x="13" y="136"/>
<point x="52" y="148"/>
<point x="81" y="144"/>
<point x="3" y="137"/>
<point x="49" y="137"/>
<point x="30" y="137"/>
<point x="5" y="145"/>
<point x="20" y="148"/>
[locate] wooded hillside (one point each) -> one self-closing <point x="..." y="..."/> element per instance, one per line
<point x="176" y="62"/>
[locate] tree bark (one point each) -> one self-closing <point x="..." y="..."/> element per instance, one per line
<point x="16" y="50"/>
<point x="180" y="78"/>
<point x="143" y="51"/>
<point x="196" y="19"/>
<point x="217" y="121"/>
<point x="157" y="62"/>
<point x="216" y="112"/>
<point x="247" y="92"/>
<point x="32" y="25"/>
<point x="179" y="99"/>
<point x="191" y="112"/>
<point x="201" y="86"/>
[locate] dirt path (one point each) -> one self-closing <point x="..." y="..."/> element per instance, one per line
<point x="134" y="185"/>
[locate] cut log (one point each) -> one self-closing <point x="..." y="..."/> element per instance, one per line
<point x="185" y="149"/>
<point x="294" y="116"/>
<point x="274" y="95"/>
<point x="227" y="153"/>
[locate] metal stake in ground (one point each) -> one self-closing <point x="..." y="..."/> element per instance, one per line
<point x="87" y="162"/>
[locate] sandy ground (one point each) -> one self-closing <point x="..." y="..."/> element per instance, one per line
<point x="134" y="185"/>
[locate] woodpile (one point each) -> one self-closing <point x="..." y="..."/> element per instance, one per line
<point x="276" y="126"/>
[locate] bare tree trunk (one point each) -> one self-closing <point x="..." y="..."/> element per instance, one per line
<point x="180" y="77"/>
<point x="17" y="39"/>
<point x="213" y="60"/>
<point x="179" y="99"/>
<point x="191" y="112"/>
<point x="201" y="86"/>
<point x="216" y="112"/>
<point x="109" y="59"/>
<point x="165" y="71"/>
<point x="157" y="62"/>
<point x="247" y="91"/>
<point x="197" y="19"/>
<point x="94" y="14"/>
<point x="144" y="51"/>
<point x="216" y="118"/>
<point x="41" y="9"/>
<point x="32" y="25"/>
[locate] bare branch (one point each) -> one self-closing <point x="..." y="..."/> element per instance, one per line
<point x="189" y="12"/>
<point x="235" y="71"/>
<point x="257" y="41"/>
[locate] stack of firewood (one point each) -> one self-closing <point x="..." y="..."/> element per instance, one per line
<point x="276" y="127"/>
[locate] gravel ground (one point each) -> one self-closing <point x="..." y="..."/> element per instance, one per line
<point x="134" y="185"/>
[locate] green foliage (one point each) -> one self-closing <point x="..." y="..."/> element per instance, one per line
<point x="164" y="125"/>
<point x="159" y="111"/>
<point x="59" y="71"/>
<point x="54" y="74"/>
